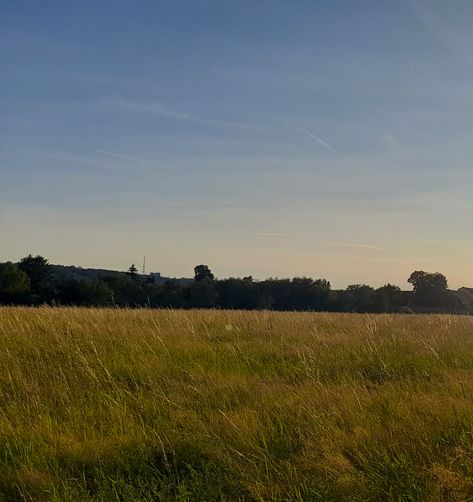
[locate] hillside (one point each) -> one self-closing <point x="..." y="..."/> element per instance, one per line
<point x="65" y="272"/>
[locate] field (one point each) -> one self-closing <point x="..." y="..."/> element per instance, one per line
<point x="142" y="405"/>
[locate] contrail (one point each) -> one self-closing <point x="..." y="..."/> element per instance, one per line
<point x="166" y="111"/>
<point x="144" y="161"/>
<point x="312" y="135"/>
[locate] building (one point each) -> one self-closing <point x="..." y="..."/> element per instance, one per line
<point x="464" y="298"/>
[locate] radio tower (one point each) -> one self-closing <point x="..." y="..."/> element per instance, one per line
<point x="144" y="265"/>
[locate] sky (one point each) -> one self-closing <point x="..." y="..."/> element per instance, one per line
<point x="269" y="138"/>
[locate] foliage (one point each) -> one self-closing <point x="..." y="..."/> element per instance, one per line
<point x="83" y="293"/>
<point x="132" y="289"/>
<point x="39" y="272"/>
<point x="235" y="293"/>
<point x="203" y="273"/>
<point x="14" y="284"/>
<point x="203" y="294"/>
<point x="430" y="289"/>
<point x="423" y="281"/>
<point x="132" y="271"/>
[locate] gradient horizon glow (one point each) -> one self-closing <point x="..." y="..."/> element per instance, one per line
<point x="265" y="138"/>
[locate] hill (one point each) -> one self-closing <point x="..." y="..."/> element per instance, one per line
<point x="65" y="272"/>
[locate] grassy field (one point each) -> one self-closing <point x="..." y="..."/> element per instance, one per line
<point x="140" y="405"/>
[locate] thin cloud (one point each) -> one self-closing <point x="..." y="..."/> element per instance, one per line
<point x="144" y="161"/>
<point x="319" y="140"/>
<point x="356" y="245"/>
<point x="390" y="141"/>
<point x="165" y="111"/>
<point x="271" y="234"/>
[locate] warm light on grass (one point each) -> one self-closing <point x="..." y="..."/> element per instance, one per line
<point x="217" y="405"/>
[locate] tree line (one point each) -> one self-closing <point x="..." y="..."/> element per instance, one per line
<point x="31" y="282"/>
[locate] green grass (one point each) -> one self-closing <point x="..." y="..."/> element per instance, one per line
<point x="141" y="405"/>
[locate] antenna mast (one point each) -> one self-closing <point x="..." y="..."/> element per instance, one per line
<point x="144" y="265"/>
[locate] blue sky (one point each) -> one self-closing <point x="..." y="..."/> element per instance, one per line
<point x="273" y="138"/>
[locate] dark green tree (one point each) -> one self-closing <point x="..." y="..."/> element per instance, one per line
<point x="275" y="293"/>
<point x="37" y="268"/>
<point x="203" y="292"/>
<point x="430" y="289"/>
<point x="424" y="281"/>
<point x="132" y="272"/>
<point x="14" y="284"/>
<point x="39" y="272"/>
<point x="173" y="295"/>
<point x="360" y="298"/>
<point x="307" y="294"/>
<point x="236" y="293"/>
<point x="202" y="273"/>
<point x="387" y="298"/>
<point x="85" y="293"/>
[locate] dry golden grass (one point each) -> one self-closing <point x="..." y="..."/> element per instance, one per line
<point x="215" y="405"/>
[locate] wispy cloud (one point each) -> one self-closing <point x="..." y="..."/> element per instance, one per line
<point x="390" y="141"/>
<point x="144" y="161"/>
<point x="157" y="108"/>
<point x="319" y="140"/>
<point x="356" y="245"/>
<point x="271" y="234"/>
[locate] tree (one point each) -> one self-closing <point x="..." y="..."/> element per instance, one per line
<point x="39" y="272"/>
<point x="388" y="298"/>
<point x="236" y="293"/>
<point x="132" y="271"/>
<point x="14" y="283"/>
<point x="127" y="291"/>
<point x="430" y="289"/>
<point x="275" y="293"/>
<point x="85" y="293"/>
<point x="202" y="273"/>
<point x="203" y="294"/>
<point x="423" y="281"/>
<point x="307" y="294"/>
<point x="173" y="295"/>
<point x="360" y="298"/>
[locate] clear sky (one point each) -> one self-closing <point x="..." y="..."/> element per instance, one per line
<point x="266" y="137"/>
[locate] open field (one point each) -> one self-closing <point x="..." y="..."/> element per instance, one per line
<point x="141" y="405"/>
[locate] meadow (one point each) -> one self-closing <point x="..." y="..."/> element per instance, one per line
<point x="145" y="405"/>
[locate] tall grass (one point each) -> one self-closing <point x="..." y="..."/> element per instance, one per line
<point x="140" y="405"/>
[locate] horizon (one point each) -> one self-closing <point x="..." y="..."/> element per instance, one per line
<point x="233" y="276"/>
<point x="264" y="139"/>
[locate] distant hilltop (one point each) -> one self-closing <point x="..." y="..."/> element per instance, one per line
<point x="34" y="281"/>
<point x="66" y="272"/>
